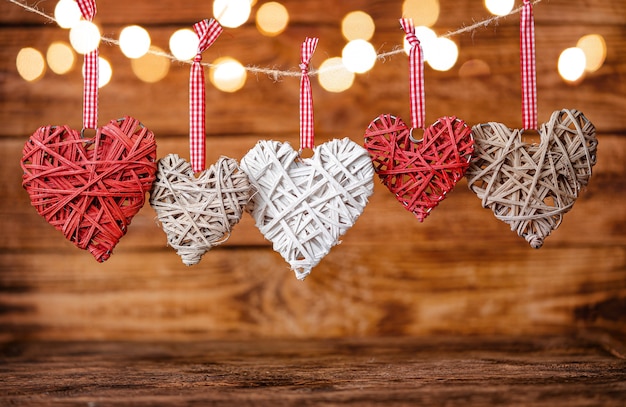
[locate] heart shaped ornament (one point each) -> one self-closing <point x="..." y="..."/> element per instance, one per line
<point x="198" y="213"/>
<point x="419" y="172"/>
<point x="531" y="186"/>
<point x="303" y="205"/>
<point x="90" y="188"/>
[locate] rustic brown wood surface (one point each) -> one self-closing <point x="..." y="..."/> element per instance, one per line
<point x="549" y="371"/>
<point x="461" y="272"/>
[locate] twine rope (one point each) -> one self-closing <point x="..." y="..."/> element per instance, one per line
<point x="277" y="74"/>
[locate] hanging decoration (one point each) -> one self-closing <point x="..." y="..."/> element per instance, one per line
<point x="531" y="186"/>
<point x="198" y="212"/>
<point x="419" y="172"/>
<point x="304" y="205"/>
<point x="90" y="188"/>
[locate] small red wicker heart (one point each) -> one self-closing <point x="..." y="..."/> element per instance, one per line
<point x="419" y="173"/>
<point x="90" y="188"/>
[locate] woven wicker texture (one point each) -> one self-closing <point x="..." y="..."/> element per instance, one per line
<point x="90" y="188"/>
<point x="419" y="173"/>
<point x="531" y="186"/>
<point x="303" y="205"/>
<point x="198" y="213"/>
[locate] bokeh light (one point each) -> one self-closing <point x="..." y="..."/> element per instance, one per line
<point x="272" y="18"/>
<point x="231" y="13"/>
<point x="594" y="47"/>
<point x="423" y="12"/>
<point x="446" y="55"/>
<point x="151" y="67"/>
<point x="333" y="75"/>
<point x="571" y="64"/>
<point x="227" y="74"/>
<point x="67" y="13"/>
<point x="60" y="57"/>
<point x="358" y="56"/>
<point x="84" y="37"/>
<point x="105" y="72"/>
<point x="499" y="7"/>
<point x="184" y="44"/>
<point x="134" y="41"/>
<point x="357" y="25"/>
<point x="30" y="64"/>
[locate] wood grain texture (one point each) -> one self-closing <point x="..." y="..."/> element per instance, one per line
<point x="462" y="272"/>
<point x="472" y="372"/>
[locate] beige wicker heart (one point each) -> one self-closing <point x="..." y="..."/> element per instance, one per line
<point x="303" y="205"/>
<point x="197" y="213"/>
<point x="531" y="186"/>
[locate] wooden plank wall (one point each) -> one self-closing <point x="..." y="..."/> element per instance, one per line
<point x="461" y="272"/>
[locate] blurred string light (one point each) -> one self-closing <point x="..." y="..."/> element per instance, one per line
<point x="151" y="67"/>
<point x="357" y="25"/>
<point x="423" y="12"/>
<point x="134" y="41"/>
<point x="272" y="19"/>
<point x="571" y="64"/>
<point x="84" y="37"/>
<point x="231" y="13"/>
<point x="105" y="72"/>
<point x="227" y="74"/>
<point x="333" y="75"/>
<point x="67" y="13"/>
<point x="30" y="64"/>
<point x="358" y="56"/>
<point x="60" y="57"/>
<point x="499" y="7"/>
<point x="594" y="47"/>
<point x="184" y="44"/>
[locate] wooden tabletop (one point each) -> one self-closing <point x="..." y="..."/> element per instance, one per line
<point x="424" y="371"/>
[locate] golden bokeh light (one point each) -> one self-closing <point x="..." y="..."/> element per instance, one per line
<point x="594" y="47"/>
<point x="134" y="41"/>
<point x="30" y="64"/>
<point x="334" y="77"/>
<point x="358" y="56"/>
<point x="84" y="37"/>
<point x="357" y="25"/>
<point x="60" y="57"/>
<point x="571" y="64"/>
<point x="227" y="74"/>
<point x="272" y="19"/>
<point x="151" y="67"/>
<point x="499" y="7"/>
<point x="231" y="13"/>
<point x="423" y="12"/>
<point x="184" y="44"/>
<point x="67" y="13"/>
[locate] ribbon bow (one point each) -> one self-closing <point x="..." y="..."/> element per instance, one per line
<point x="207" y="32"/>
<point x="416" y="76"/>
<point x="307" y="134"/>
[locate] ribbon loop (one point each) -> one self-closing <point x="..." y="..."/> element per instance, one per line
<point x="90" y="74"/>
<point x="207" y="32"/>
<point x="416" y="74"/>
<point x="528" y="69"/>
<point x="307" y="133"/>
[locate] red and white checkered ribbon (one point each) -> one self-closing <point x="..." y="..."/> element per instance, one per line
<point x="529" y="75"/>
<point x="307" y="133"/>
<point x="207" y="32"/>
<point x="416" y="74"/>
<point x="90" y="84"/>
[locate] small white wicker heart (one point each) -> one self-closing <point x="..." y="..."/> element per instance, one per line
<point x="197" y="213"/>
<point x="303" y="205"/>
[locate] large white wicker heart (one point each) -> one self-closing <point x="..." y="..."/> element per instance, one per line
<point x="197" y="213"/>
<point x="303" y="205"/>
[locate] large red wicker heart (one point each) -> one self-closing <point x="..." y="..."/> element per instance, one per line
<point x="531" y="186"/>
<point x="419" y="173"/>
<point x="90" y="188"/>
